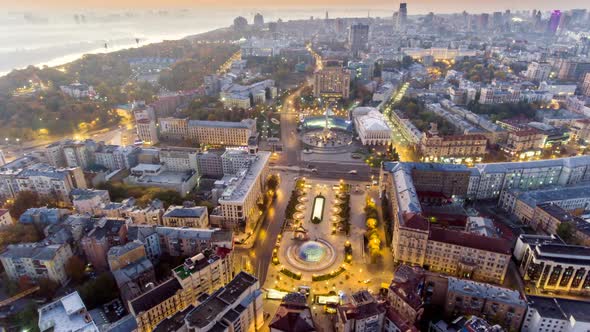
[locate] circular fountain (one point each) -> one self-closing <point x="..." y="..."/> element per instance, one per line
<point x="311" y="255"/>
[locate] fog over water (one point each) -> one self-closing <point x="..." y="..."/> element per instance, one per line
<point x="53" y="39"/>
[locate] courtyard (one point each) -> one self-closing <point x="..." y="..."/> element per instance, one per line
<point x="317" y="251"/>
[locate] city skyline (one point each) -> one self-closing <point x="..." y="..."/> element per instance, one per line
<point x="414" y="7"/>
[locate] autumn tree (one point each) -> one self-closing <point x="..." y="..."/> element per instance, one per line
<point x="75" y="268"/>
<point x="24" y="200"/>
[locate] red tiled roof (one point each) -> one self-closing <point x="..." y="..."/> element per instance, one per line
<point x="413" y="220"/>
<point x="470" y="240"/>
<point x="399" y="321"/>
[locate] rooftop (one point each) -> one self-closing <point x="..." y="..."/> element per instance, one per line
<point x="106" y="228"/>
<point x="536" y="197"/>
<point x="194" y="264"/>
<point x="244" y="124"/>
<point x="470" y="240"/>
<point x="66" y="314"/>
<point x="221" y="300"/>
<point x="239" y="186"/>
<point x="562" y="309"/>
<point x="174" y="323"/>
<point x="407" y="284"/>
<point x="37" y="251"/>
<point x="293" y="317"/>
<point x="185" y="212"/>
<point x="155" y="296"/>
<point x="487" y="291"/>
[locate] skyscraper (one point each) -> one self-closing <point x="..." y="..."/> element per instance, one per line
<point x="332" y="82"/>
<point x="402" y="17"/>
<point x="258" y="20"/>
<point x="358" y="38"/>
<point x="554" y="21"/>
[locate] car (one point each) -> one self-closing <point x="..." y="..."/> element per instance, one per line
<point x="314" y="170"/>
<point x="352" y="171"/>
<point x="366" y="281"/>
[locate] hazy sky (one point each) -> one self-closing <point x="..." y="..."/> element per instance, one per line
<point x="419" y="6"/>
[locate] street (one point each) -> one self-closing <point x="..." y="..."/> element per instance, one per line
<point x="257" y="259"/>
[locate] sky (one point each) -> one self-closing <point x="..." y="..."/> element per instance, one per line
<point x="420" y="6"/>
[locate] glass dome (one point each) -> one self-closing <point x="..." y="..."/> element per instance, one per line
<point x="312" y="251"/>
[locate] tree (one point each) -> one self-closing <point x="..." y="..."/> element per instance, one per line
<point x="75" y="268"/>
<point x="273" y="182"/>
<point x="566" y="231"/>
<point x="24" y="200"/>
<point x="47" y="288"/>
<point x="371" y="223"/>
<point x="98" y="291"/>
<point x="18" y="233"/>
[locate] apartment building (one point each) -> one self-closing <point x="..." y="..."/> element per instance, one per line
<point x="586" y="85"/>
<point x="66" y="314"/>
<point x="418" y="242"/>
<point x="524" y="143"/>
<point x="163" y="301"/>
<point x="222" y="132"/>
<point x="215" y="133"/>
<point x="538" y="71"/>
<point x="473" y="298"/>
<point x="86" y="200"/>
<point x="179" y="159"/>
<point x="105" y="234"/>
<point x="363" y="314"/>
<point x="147" y="131"/>
<point x="234" y="307"/>
<point x="434" y="147"/>
<point x="49" y="181"/>
<point x="237" y="95"/>
<point x="580" y="130"/>
<point x="179" y="216"/>
<point x="36" y="261"/>
<point x="493" y="95"/>
<point x="547" y="218"/>
<point x="202" y="273"/>
<point x="523" y="203"/>
<point x="414" y="288"/>
<point x="491" y="180"/>
<point x="174" y="128"/>
<point x="293" y="315"/>
<point x="178" y="241"/>
<point x="115" y="157"/>
<point x="241" y="192"/>
<point x="210" y="164"/>
<point x="5" y="218"/>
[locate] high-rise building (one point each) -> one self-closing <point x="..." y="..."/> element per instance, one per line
<point x="358" y="38"/>
<point x="332" y="81"/>
<point x="402" y="16"/>
<point x="554" y="21"/>
<point x="585" y="85"/>
<point x="258" y="20"/>
<point x="538" y="71"/>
